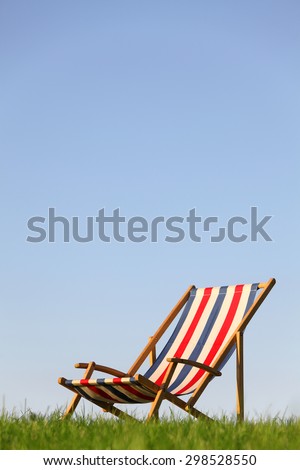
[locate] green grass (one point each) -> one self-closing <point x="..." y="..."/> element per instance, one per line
<point x="50" y="432"/>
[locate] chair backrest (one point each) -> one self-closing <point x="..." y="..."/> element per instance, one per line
<point x="210" y="317"/>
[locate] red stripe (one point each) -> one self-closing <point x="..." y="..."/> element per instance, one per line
<point x="181" y="348"/>
<point x="84" y="381"/>
<point x="220" y="337"/>
<point x="117" y="380"/>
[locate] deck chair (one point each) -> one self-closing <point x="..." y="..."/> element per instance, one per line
<point x="210" y="328"/>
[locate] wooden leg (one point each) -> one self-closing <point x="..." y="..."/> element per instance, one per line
<point x="185" y="406"/>
<point x="115" y="411"/>
<point x="76" y="399"/>
<point x="239" y="376"/>
<point x="153" y="413"/>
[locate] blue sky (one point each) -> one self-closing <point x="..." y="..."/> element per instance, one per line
<point x="154" y="108"/>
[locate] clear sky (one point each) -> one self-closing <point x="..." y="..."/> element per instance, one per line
<point x="156" y="108"/>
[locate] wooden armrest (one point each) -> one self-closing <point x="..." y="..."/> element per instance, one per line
<point x="100" y="368"/>
<point x="152" y="353"/>
<point x="209" y="369"/>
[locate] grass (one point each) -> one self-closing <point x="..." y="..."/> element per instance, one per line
<point x="49" y="432"/>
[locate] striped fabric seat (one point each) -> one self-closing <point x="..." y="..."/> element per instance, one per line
<point x="116" y="390"/>
<point x="209" y="319"/>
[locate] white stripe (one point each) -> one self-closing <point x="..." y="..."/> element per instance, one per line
<point x="239" y="313"/>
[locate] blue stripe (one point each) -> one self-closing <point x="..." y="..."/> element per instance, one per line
<point x="203" y="338"/>
<point x="167" y="347"/>
<point x="252" y="295"/>
<point x="69" y="383"/>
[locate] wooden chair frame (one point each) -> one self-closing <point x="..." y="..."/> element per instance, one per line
<point x="161" y="391"/>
